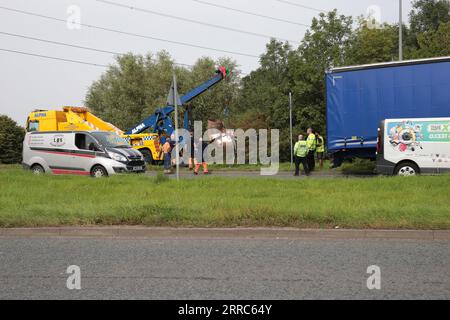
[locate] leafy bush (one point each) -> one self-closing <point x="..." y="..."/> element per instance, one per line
<point x="11" y="139"/>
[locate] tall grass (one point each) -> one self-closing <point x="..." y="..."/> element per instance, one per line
<point x="409" y="203"/>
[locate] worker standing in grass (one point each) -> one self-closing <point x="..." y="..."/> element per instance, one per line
<point x="320" y="150"/>
<point x="167" y="149"/>
<point x="200" y="160"/>
<point x="300" y="154"/>
<point x="311" y="143"/>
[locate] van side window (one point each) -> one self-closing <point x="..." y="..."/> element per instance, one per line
<point x="85" y="142"/>
<point x="80" y="141"/>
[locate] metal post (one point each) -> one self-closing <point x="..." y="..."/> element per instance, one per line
<point x="400" y="35"/>
<point x="177" y="146"/>
<point x="290" y="127"/>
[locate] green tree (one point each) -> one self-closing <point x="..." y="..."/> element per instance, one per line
<point x="266" y="88"/>
<point x="434" y="43"/>
<point x="219" y="102"/>
<point x="132" y="89"/>
<point x="324" y="46"/>
<point x="427" y="15"/>
<point x="372" y="45"/>
<point x="263" y="100"/>
<point x="11" y="139"/>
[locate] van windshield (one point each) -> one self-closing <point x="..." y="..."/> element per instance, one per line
<point x="110" y="140"/>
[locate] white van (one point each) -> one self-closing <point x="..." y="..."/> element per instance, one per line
<point x="95" y="153"/>
<point x="408" y="147"/>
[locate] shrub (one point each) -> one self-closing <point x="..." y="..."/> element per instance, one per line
<point x="11" y="139"/>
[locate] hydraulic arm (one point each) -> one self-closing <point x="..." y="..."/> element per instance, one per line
<point x="160" y="121"/>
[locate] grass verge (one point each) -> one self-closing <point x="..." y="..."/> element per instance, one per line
<point x="389" y="203"/>
<point x="283" y="167"/>
<point x="359" y="167"/>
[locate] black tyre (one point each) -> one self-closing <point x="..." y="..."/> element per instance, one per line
<point x="407" y="169"/>
<point x="37" y="169"/>
<point x="98" y="172"/>
<point x="148" y="158"/>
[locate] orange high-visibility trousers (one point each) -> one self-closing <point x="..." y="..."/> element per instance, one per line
<point x="205" y="167"/>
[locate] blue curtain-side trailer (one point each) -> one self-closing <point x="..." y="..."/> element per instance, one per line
<point x="360" y="97"/>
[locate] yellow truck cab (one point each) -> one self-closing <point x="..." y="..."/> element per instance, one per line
<point x="148" y="144"/>
<point x="81" y="119"/>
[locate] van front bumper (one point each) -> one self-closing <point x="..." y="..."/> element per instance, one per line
<point x="130" y="169"/>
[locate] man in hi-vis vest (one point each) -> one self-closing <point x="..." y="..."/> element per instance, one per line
<point x="300" y="153"/>
<point x="320" y="149"/>
<point x="311" y="143"/>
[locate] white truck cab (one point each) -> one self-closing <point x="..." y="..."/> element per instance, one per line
<point x="95" y="153"/>
<point x="409" y="147"/>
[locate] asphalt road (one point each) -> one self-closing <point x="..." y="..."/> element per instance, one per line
<point x="35" y="268"/>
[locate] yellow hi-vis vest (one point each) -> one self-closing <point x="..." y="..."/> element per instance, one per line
<point x="311" y="142"/>
<point x="301" y="149"/>
<point x="320" y="144"/>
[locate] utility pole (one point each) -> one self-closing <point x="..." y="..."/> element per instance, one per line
<point x="400" y="35"/>
<point x="290" y="127"/>
<point x="177" y="138"/>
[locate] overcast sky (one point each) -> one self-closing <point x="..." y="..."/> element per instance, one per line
<point x="29" y="82"/>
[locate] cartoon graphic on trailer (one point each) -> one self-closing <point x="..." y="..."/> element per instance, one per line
<point x="406" y="136"/>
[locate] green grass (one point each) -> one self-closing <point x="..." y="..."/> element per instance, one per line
<point x="358" y="167"/>
<point x="401" y="203"/>
<point x="284" y="166"/>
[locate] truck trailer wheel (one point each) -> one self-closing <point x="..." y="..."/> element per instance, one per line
<point x="37" y="169"/>
<point x="98" y="172"/>
<point x="407" y="169"/>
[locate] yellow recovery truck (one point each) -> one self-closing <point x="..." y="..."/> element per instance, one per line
<point x="149" y="144"/>
<point x="81" y="119"/>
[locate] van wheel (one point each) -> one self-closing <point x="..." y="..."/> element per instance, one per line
<point x="407" y="169"/>
<point x="98" y="172"/>
<point x="147" y="156"/>
<point x="37" y="169"/>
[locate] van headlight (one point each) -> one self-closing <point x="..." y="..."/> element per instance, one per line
<point x="117" y="157"/>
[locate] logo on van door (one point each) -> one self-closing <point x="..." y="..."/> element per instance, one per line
<point x="406" y="135"/>
<point x="58" y="141"/>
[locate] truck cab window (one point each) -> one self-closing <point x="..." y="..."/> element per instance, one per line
<point x="33" y="126"/>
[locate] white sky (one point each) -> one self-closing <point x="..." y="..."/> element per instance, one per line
<point x="28" y="83"/>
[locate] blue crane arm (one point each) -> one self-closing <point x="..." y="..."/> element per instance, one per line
<point x="152" y="121"/>
<point x="200" y="89"/>
<point x="162" y="114"/>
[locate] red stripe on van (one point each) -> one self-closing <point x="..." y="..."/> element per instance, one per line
<point x="69" y="154"/>
<point x="61" y="171"/>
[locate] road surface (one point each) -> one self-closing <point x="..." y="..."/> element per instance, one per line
<point x="35" y="268"/>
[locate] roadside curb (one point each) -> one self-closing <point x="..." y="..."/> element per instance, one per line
<point x="224" y="233"/>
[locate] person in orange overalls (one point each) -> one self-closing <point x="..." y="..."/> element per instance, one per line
<point x="200" y="148"/>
